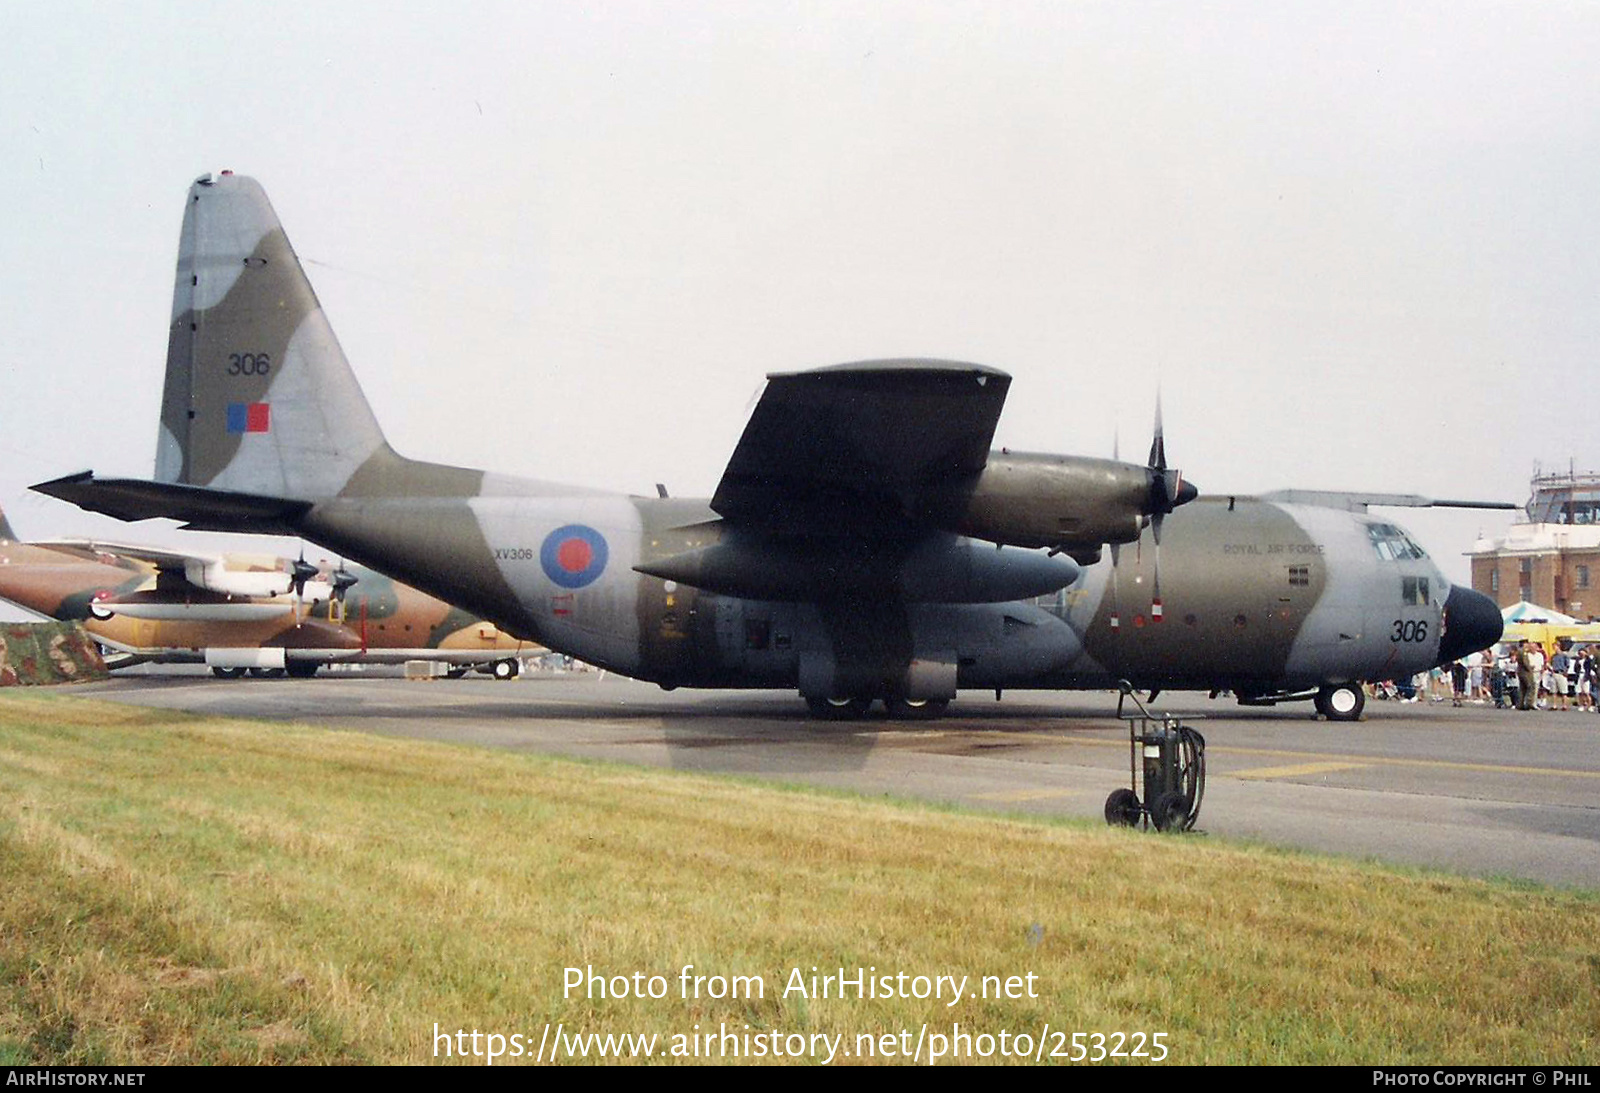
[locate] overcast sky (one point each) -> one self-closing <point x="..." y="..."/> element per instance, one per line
<point x="1355" y="244"/>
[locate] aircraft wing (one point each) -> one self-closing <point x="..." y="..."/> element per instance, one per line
<point x="860" y="448"/>
<point x="1358" y="502"/>
<point x="155" y="556"/>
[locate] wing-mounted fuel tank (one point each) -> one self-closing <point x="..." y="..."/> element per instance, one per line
<point x="935" y="568"/>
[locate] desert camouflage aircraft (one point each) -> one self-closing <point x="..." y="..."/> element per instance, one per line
<point x="864" y="543"/>
<point x="239" y="612"/>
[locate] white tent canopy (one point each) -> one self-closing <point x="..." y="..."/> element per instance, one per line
<point x="1523" y="611"/>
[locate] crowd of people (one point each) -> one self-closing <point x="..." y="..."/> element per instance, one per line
<point x="1512" y="675"/>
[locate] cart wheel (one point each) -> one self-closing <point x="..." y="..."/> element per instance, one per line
<point x="1170" y="812"/>
<point x="1122" y="808"/>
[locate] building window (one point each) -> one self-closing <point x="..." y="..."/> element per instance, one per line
<point x="1583" y="576"/>
<point x="1494" y="580"/>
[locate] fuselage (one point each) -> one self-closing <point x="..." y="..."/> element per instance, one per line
<point x="831" y="559"/>
<point x="1257" y="597"/>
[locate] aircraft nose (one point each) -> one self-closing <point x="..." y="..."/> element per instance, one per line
<point x="1472" y="622"/>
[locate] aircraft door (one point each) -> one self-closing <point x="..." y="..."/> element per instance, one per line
<point x="730" y="631"/>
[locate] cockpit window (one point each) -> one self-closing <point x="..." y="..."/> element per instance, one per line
<point x="1414" y="591"/>
<point x="1392" y="544"/>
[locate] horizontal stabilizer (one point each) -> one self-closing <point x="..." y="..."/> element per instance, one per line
<point x="199" y="507"/>
<point x="1358" y="502"/>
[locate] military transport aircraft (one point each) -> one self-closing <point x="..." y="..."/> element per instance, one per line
<point x="239" y="612"/>
<point x="864" y="544"/>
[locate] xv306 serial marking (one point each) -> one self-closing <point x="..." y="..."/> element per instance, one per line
<point x="864" y="543"/>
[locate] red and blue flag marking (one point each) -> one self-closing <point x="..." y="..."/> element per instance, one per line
<point x="249" y="417"/>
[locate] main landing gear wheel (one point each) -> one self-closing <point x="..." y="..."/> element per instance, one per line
<point x="1343" y="702"/>
<point x="839" y="709"/>
<point x="1122" y="808"/>
<point x="917" y="709"/>
<point x="506" y="669"/>
<point x="302" y="669"/>
<point x="227" y="673"/>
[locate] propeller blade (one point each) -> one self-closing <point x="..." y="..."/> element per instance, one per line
<point x="1158" y="443"/>
<point x="1168" y="490"/>
<point x="1116" y="607"/>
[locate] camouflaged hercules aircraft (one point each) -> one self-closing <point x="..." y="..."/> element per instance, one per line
<point x="864" y="543"/>
<point x="239" y="612"/>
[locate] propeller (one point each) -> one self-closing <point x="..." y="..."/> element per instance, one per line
<point x="1116" y="548"/>
<point x="300" y="572"/>
<point x="1168" y="490"/>
<point x="342" y="580"/>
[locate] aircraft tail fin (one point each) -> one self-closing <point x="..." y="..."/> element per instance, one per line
<point x="6" y="534"/>
<point x="259" y="398"/>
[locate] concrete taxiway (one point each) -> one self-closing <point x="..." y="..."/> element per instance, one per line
<point x="1471" y="790"/>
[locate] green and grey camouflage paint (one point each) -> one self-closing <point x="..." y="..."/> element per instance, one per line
<point x="831" y="560"/>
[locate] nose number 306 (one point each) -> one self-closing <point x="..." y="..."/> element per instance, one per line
<point x="1410" y="630"/>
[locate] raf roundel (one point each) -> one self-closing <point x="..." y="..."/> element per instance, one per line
<point x="573" y="556"/>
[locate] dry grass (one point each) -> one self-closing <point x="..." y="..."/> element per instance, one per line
<point x="175" y="889"/>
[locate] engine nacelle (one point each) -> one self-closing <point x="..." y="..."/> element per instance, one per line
<point x="217" y="576"/>
<point x="252" y="577"/>
<point x="1064" y="502"/>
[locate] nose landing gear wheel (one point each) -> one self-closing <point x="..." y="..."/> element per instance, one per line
<point x="1343" y="702"/>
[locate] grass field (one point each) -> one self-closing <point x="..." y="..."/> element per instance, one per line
<point x="176" y="889"/>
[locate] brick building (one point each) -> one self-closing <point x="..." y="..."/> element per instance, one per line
<point x="1552" y="559"/>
